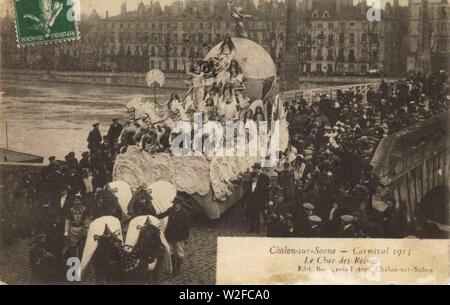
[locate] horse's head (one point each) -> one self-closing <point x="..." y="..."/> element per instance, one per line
<point x="108" y="239"/>
<point x="143" y="200"/>
<point x="108" y="256"/>
<point x="149" y="244"/>
<point x="106" y="203"/>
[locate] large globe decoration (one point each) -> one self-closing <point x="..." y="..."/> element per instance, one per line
<point x="256" y="65"/>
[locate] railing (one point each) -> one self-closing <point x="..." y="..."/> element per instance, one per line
<point x="413" y="161"/>
<point x="310" y="94"/>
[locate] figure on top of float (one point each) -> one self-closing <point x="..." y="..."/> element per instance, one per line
<point x="198" y="87"/>
<point x="238" y="16"/>
<point x="223" y="60"/>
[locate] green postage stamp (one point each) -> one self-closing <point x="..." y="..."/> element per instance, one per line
<point x="46" y="21"/>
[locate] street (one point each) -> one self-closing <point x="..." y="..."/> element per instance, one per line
<point x="199" y="265"/>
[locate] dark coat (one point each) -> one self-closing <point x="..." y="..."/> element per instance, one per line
<point x="94" y="139"/>
<point x="257" y="199"/>
<point x="114" y="132"/>
<point x="178" y="225"/>
<point x="84" y="163"/>
<point x="74" y="183"/>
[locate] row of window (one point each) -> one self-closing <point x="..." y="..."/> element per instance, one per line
<point x="166" y="26"/>
<point x="330" y="39"/>
<point x="342" y="55"/>
<point x="209" y="38"/>
<point x="329" y="68"/>
<point x="159" y="37"/>
<point x="130" y="37"/>
<point x="342" y="25"/>
<point x="258" y="25"/>
<point x="157" y="51"/>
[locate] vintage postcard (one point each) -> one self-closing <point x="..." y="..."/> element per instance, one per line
<point x="224" y="142"/>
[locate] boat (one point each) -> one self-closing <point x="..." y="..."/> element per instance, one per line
<point x="11" y="156"/>
<point x="13" y="161"/>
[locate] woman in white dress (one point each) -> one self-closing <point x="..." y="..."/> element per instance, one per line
<point x="198" y="88"/>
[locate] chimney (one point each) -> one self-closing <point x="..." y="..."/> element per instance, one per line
<point x="107" y="15"/>
<point x="124" y="8"/>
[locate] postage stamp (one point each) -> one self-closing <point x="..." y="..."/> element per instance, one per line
<point x="46" y="21"/>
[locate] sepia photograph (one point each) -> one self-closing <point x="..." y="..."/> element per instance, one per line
<point x="204" y="142"/>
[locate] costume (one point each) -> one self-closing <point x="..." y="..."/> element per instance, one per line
<point x="75" y="226"/>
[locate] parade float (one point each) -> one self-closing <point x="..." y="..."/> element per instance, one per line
<point x="209" y="180"/>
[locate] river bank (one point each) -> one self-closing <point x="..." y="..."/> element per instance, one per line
<point x="50" y="118"/>
<point x="137" y="80"/>
<point x="176" y="81"/>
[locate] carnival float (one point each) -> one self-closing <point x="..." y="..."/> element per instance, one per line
<point x="236" y="74"/>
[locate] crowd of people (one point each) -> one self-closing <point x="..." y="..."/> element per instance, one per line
<point x="325" y="184"/>
<point x="56" y="206"/>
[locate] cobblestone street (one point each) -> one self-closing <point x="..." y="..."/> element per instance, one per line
<point x="199" y="265"/>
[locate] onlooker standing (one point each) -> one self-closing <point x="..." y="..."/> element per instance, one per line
<point x="115" y="129"/>
<point x="177" y="231"/>
<point x="95" y="137"/>
<point x="256" y="197"/>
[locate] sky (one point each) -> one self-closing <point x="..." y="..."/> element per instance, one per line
<point x="113" y="6"/>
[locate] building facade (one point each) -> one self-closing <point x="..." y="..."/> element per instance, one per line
<point x="429" y="35"/>
<point x="338" y="38"/>
<point x="333" y="36"/>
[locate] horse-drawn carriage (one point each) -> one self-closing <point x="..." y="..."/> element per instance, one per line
<point x="144" y="252"/>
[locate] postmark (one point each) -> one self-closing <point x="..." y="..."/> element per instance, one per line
<point x="45" y="21"/>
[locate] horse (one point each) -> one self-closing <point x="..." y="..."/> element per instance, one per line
<point x="109" y="258"/>
<point x="106" y="204"/>
<point x="145" y="259"/>
<point x="137" y="261"/>
<point x="141" y="204"/>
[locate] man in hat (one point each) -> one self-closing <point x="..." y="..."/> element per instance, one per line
<point x="52" y="165"/>
<point x="71" y="161"/>
<point x="85" y="162"/>
<point x="73" y="182"/>
<point x="301" y="225"/>
<point x="177" y="231"/>
<point x="256" y="196"/>
<point x="315" y="226"/>
<point x="99" y="169"/>
<point x="95" y="137"/>
<point x="115" y="129"/>
<point x="347" y="229"/>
